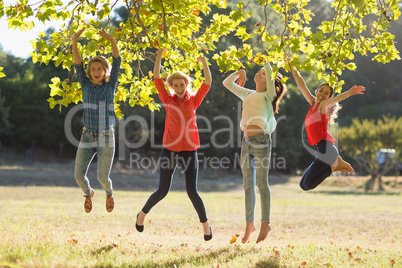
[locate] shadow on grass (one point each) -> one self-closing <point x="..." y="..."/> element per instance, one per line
<point x="271" y="263"/>
<point x="352" y="192"/>
<point x="216" y="258"/>
<point x="103" y="249"/>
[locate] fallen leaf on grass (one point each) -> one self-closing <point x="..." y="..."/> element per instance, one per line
<point x="73" y="241"/>
<point x="304" y="263"/>
<point x="233" y="240"/>
<point x="392" y="262"/>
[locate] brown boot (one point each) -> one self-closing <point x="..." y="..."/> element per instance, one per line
<point x="109" y="203"/>
<point x="88" y="202"/>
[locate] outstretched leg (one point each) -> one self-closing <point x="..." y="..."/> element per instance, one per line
<point x="167" y="168"/>
<point x="189" y="162"/>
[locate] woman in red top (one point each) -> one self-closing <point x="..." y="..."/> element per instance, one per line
<point x="180" y="139"/>
<point x="327" y="158"/>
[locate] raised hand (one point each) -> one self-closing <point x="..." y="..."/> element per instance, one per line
<point x="106" y="35"/>
<point x="200" y="58"/>
<point x="78" y="34"/>
<point x="356" y="90"/>
<point x="161" y="52"/>
<point x="293" y="70"/>
<point x="241" y="81"/>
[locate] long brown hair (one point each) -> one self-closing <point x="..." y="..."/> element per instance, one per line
<point x="280" y="89"/>
<point x="333" y="111"/>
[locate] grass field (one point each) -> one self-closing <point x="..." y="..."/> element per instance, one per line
<point x="43" y="223"/>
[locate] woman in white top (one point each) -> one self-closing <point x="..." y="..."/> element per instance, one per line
<point x="257" y="124"/>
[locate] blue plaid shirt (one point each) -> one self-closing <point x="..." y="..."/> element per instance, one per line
<point x="99" y="99"/>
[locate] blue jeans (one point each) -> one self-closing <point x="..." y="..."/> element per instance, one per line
<point x="255" y="158"/>
<point x="320" y="169"/>
<point x="95" y="142"/>
<point x="168" y="163"/>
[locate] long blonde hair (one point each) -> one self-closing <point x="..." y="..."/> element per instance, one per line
<point x="105" y="65"/>
<point x="180" y="75"/>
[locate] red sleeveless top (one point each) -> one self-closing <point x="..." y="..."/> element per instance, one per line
<point x="317" y="126"/>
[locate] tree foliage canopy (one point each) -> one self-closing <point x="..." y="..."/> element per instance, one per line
<point x="187" y="29"/>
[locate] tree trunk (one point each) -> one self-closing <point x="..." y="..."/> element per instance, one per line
<point x="369" y="186"/>
<point x="380" y="184"/>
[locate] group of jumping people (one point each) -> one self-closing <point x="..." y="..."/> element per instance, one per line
<point x="181" y="139"/>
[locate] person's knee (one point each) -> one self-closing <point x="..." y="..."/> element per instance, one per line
<point x="192" y="194"/>
<point x="161" y="193"/>
<point x="249" y="188"/>
<point x="263" y="187"/>
<point x="304" y="186"/>
<point x="103" y="179"/>
<point x="78" y="175"/>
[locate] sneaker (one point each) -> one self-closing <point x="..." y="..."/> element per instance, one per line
<point x="109" y="203"/>
<point x="88" y="202"/>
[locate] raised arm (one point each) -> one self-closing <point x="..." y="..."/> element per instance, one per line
<point x="355" y="90"/>
<point x="270" y="82"/>
<point x="237" y="88"/>
<point x="160" y="86"/>
<point x="207" y="72"/>
<point x="76" y="53"/>
<point x="302" y="85"/>
<point x="115" y="49"/>
<point x="157" y="67"/>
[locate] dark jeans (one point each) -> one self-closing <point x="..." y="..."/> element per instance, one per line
<point x="168" y="163"/>
<point x="320" y="169"/>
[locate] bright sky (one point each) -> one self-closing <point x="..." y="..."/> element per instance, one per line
<point x="16" y="42"/>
